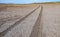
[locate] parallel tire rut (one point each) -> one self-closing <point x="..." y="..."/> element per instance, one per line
<point x="8" y="29"/>
<point x="37" y="27"/>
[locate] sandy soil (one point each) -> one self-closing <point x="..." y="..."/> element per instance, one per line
<point x="24" y="28"/>
<point x="50" y="21"/>
<point x="13" y="14"/>
<point x="47" y="25"/>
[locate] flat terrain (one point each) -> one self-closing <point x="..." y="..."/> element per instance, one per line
<point x="12" y="15"/>
<point x="50" y="20"/>
<point x="34" y="20"/>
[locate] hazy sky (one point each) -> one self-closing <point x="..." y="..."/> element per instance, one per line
<point x="25" y="1"/>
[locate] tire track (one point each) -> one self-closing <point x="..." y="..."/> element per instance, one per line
<point x="37" y="28"/>
<point x="4" y="20"/>
<point x="8" y="29"/>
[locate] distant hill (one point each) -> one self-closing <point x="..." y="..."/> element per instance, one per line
<point x="48" y="3"/>
<point x="34" y="3"/>
<point x="6" y="3"/>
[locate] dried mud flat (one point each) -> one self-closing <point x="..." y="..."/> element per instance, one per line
<point x="12" y="15"/>
<point x="42" y="20"/>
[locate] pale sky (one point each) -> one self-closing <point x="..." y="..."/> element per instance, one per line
<point x="25" y="1"/>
